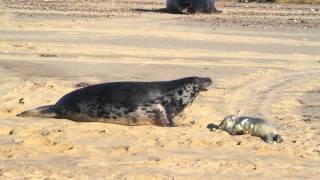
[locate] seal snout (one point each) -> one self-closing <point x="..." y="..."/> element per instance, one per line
<point x="205" y="83"/>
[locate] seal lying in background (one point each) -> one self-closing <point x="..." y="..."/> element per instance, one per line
<point x="126" y="103"/>
<point x="237" y="125"/>
<point x="192" y="6"/>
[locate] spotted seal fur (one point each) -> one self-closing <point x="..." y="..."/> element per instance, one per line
<point x="192" y="6"/>
<point x="237" y="125"/>
<point x="126" y="103"/>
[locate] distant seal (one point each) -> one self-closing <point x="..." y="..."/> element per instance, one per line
<point x="237" y="125"/>
<point x="126" y="103"/>
<point x="192" y="6"/>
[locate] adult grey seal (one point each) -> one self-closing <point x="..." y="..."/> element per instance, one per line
<point x="192" y="6"/>
<point x="237" y="125"/>
<point x="126" y="103"/>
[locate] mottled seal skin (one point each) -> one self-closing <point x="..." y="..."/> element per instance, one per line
<point x="237" y="125"/>
<point x="192" y="6"/>
<point x="126" y="103"/>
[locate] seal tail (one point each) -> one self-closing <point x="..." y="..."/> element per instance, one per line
<point x="43" y="112"/>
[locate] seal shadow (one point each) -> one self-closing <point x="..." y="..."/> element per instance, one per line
<point x="161" y="10"/>
<point x="212" y="126"/>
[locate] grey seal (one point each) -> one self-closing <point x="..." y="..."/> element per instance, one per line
<point x="126" y="103"/>
<point x="192" y="6"/>
<point x="237" y="125"/>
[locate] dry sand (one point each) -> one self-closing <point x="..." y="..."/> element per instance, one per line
<point x="265" y="61"/>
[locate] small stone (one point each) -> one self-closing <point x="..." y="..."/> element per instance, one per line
<point x="58" y="130"/>
<point x="82" y="84"/>
<point x="11" y="132"/>
<point x="48" y="55"/>
<point x="127" y="148"/>
<point x="18" y="141"/>
<point x="6" y="174"/>
<point x="102" y="131"/>
<point x="21" y="101"/>
<point x="17" y="45"/>
<point x="300" y="101"/>
<point x="8" y="110"/>
<point x="306" y="120"/>
<point x="44" y="132"/>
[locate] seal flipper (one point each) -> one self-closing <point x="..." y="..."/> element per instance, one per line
<point x="161" y="119"/>
<point x="160" y="115"/>
<point x="278" y="138"/>
<point x="43" y="112"/>
<point x="268" y="138"/>
<point x="170" y="115"/>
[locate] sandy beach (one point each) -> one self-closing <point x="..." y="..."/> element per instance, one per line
<point x="264" y="59"/>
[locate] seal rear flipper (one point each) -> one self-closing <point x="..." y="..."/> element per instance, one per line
<point x="278" y="138"/>
<point x="43" y="112"/>
<point x="268" y="138"/>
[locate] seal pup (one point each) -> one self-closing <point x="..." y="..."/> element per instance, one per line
<point x="237" y="125"/>
<point x="126" y="103"/>
<point x="192" y="6"/>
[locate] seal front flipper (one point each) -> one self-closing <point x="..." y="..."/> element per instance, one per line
<point x="158" y="114"/>
<point x="161" y="118"/>
<point x="43" y="112"/>
<point x="170" y="116"/>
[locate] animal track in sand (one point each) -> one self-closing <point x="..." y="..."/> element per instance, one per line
<point x="276" y="99"/>
<point x="26" y="94"/>
<point x="258" y="98"/>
